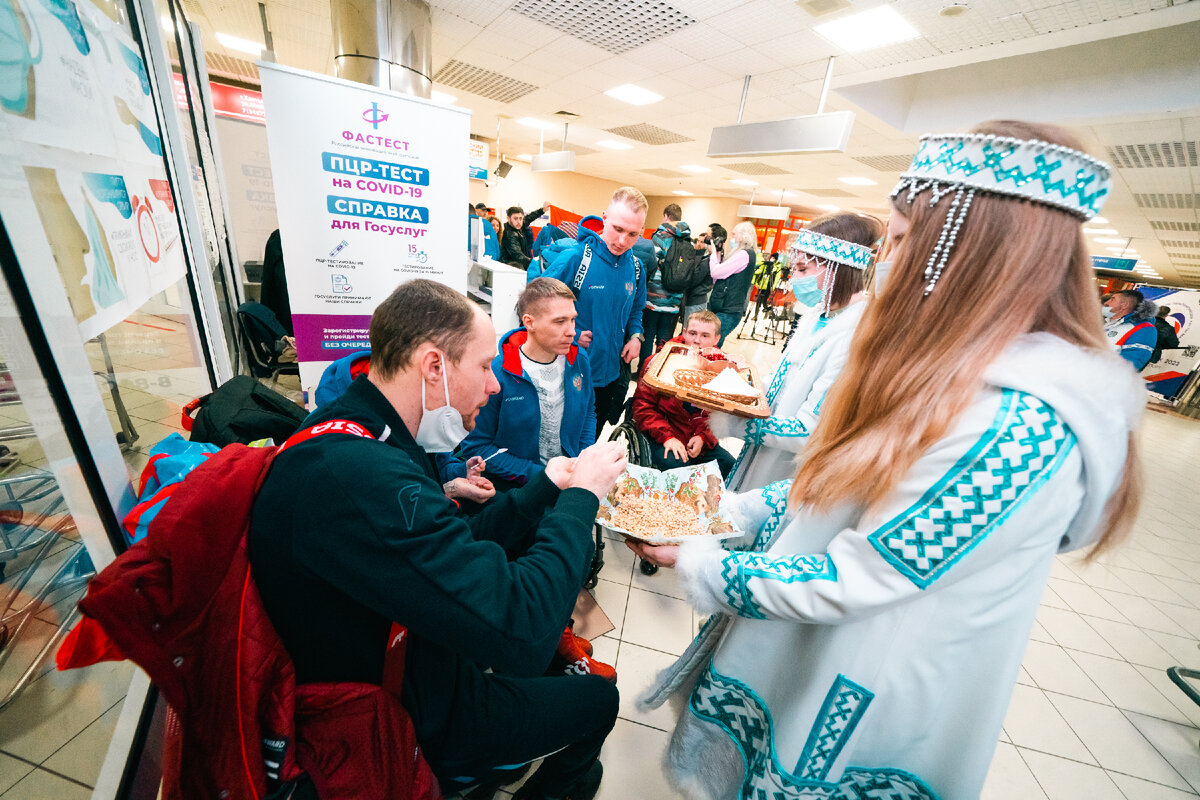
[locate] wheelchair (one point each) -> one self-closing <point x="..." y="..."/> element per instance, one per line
<point x="637" y="450"/>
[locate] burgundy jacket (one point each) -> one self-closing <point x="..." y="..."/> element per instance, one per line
<point x="662" y="417"/>
<point x="182" y="604"/>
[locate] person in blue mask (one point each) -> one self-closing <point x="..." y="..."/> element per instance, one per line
<point x="828" y="259"/>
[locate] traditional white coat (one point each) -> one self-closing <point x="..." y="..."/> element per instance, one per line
<point x="872" y="653"/>
<point x="810" y="364"/>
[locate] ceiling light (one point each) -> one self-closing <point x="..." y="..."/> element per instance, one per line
<point x="524" y="157"/>
<point x="241" y="45"/>
<point x="682" y="193"/>
<point x="855" y="180"/>
<point x="442" y="97"/>
<point x="613" y="144"/>
<point x="828" y="207"/>
<point x="1109" y="240"/>
<point x="1100" y="231"/>
<point x="531" y="122"/>
<point x="1097" y="221"/>
<point x="634" y="95"/>
<point x="167" y="25"/>
<point x="743" y="182"/>
<point x="694" y="168"/>
<point x="867" y="30"/>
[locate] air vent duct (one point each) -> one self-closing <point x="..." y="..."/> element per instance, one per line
<point x="615" y="26"/>
<point x="649" y="134"/>
<point x="483" y="82"/>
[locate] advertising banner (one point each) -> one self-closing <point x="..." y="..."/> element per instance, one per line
<point x="477" y="161"/>
<point x="1167" y="376"/>
<point x="82" y="161"/>
<point x="370" y="188"/>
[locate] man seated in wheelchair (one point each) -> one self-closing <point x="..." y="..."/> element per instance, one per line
<point x="545" y="406"/>
<point x="678" y="432"/>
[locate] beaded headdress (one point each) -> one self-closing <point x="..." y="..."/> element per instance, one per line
<point x="965" y="163"/>
<point x="837" y="252"/>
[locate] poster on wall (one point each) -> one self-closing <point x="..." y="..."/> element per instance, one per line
<point x="1167" y="377"/>
<point x="85" y="160"/>
<point x="370" y="187"/>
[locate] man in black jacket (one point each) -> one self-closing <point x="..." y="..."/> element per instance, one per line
<point x="350" y="534"/>
<point x="1168" y="339"/>
<point x="517" y="243"/>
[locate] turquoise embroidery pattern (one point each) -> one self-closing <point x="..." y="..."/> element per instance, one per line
<point x="738" y="567"/>
<point x="774" y="496"/>
<point x="843" y="708"/>
<point x="1044" y="172"/>
<point x="777" y="381"/>
<point x="1025" y="446"/>
<point x="831" y="249"/>
<point x="789" y="427"/>
<point x="743" y="715"/>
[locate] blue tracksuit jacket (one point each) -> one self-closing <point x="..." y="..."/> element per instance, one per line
<point x="513" y="417"/>
<point x="610" y="303"/>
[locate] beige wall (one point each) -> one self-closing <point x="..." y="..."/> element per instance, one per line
<point x="698" y="212"/>
<point x="581" y="194"/>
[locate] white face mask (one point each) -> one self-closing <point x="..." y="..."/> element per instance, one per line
<point x="881" y="272"/>
<point x="1107" y="312"/>
<point x="441" y="429"/>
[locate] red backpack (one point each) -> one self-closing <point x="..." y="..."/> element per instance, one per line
<point x="182" y="604"/>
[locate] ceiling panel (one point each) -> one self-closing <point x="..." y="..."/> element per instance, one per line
<point x="699" y="69"/>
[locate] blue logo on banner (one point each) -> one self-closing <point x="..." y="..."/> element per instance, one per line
<point x="374" y="116"/>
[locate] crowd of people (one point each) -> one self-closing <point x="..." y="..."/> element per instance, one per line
<point x="900" y="507"/>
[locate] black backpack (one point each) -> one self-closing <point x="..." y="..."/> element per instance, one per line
<point x="681" y="266"/>
<point x="242" y="410"/>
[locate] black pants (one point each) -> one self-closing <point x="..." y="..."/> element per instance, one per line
<point x="564" y="719"/>
<point x="664" y="460"/>
<point x="658" y="327"/>
<point x="610" y="400"/>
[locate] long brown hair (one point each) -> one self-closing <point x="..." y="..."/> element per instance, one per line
<point x="915" y="366"/>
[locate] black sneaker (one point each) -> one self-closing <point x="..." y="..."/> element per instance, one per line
<point x="583" y="789"/>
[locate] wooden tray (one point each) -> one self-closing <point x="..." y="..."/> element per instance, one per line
<point x="660" y="375"/>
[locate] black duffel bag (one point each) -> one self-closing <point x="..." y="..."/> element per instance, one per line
<point x="241" y="410"/>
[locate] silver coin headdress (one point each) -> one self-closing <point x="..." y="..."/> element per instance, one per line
<point x="966" y="163"/>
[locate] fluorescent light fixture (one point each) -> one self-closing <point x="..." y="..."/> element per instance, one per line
<point x="532" y="122"/>
<point x="828" y="207"/>
<point x="442" y="97"/>
<point x="764" y="212"/>
<point x="241" y="45"/>
<point x="694" y="168"/>
<point x="855" y="180"/>
<point x="682" y="193"/>
<point x="613" y="144"/>
<point x="814" y="133"/>
<point x="634" y="95"/>
<point x="560" y="161"/>
<point x="743" y="182"/>
<point x="867" y="30"/>
<point x="1109" y="240"/>
<point x="1100" y="231"/>
<point x="524" y="157"/>
<point x="1097" y="221"/>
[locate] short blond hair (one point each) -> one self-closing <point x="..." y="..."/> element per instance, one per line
<point x="704" y="315"/>
<point x="632" y="198"/>
<point x="540" y="289"/>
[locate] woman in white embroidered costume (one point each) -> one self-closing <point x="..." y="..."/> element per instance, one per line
<point x="831" y="256"/>
<point x="865" y="640"/>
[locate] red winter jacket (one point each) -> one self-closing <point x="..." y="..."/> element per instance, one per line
<point x="182" y="605"/>
<point x="662" y="417"/>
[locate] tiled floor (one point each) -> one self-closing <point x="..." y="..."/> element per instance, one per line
<point x="1094" y="715"/>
